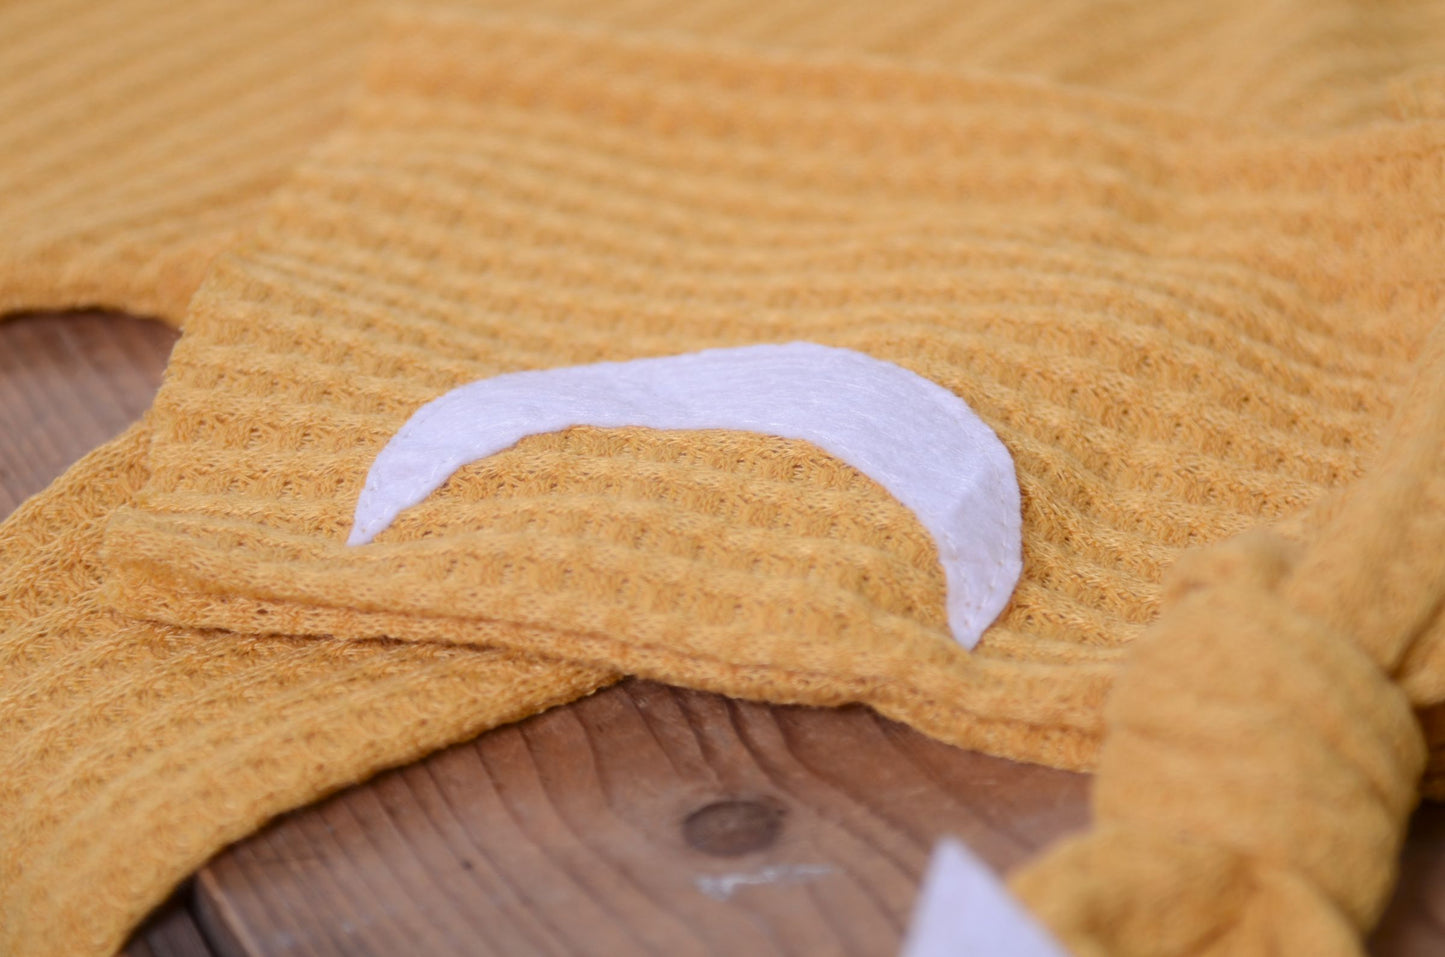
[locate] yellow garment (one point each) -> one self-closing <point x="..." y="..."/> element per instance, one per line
<point x="1184" y="317"/>
<point x="1177" y="326"/>
<point x="138" y="138"/>
<point x="132" y="752"/>
<point x="1286" y="845"/>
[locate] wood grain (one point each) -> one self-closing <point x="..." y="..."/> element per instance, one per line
<point x="568" y="834"/>
<point x="69" y="382"/>
<point x="170" y="932"/>
<point x="643" y="819"/>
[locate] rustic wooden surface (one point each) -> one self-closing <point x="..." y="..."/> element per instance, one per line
<point x="643" y="819"/>
<point x="170" y="932"/>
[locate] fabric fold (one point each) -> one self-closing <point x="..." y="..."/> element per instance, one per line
<point x="1149" y="308"/>
<point x="132" y="752"/>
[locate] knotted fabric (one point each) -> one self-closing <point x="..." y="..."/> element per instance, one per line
<point x="1261" y="761"/>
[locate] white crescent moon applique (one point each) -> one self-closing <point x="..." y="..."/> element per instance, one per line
<point x="915" y="438"/>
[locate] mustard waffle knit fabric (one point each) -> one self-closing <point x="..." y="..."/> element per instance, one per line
<point x="1180" y="326"/>
<point x="138" y="138"/>
<point x="1183" y="258"/>
<point x="132" y="752"/>
<point x="1286" y="845"/>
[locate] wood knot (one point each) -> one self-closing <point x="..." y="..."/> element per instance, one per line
<point x="733" y="828"/>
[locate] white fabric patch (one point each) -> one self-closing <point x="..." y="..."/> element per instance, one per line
<point x="964" y="909"/>
<point x="914" y="437"/>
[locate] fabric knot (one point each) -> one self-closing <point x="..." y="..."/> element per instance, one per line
<point x="1255" y="784"/>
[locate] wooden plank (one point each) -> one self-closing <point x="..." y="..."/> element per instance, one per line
<point x="642" y="819"/>
<point x="1414" y="924"/>
<point x="69" y="382"/>
<point x="170" y="932"/>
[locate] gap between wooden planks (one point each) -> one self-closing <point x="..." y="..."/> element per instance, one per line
<point x="644" y="819"/>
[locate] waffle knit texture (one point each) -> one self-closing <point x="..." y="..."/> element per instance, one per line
<point x="138" y="138"/>
<point x="1180" y="328"/>
<point x="133" y="751"/>
<point x="1183" y="260"/>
